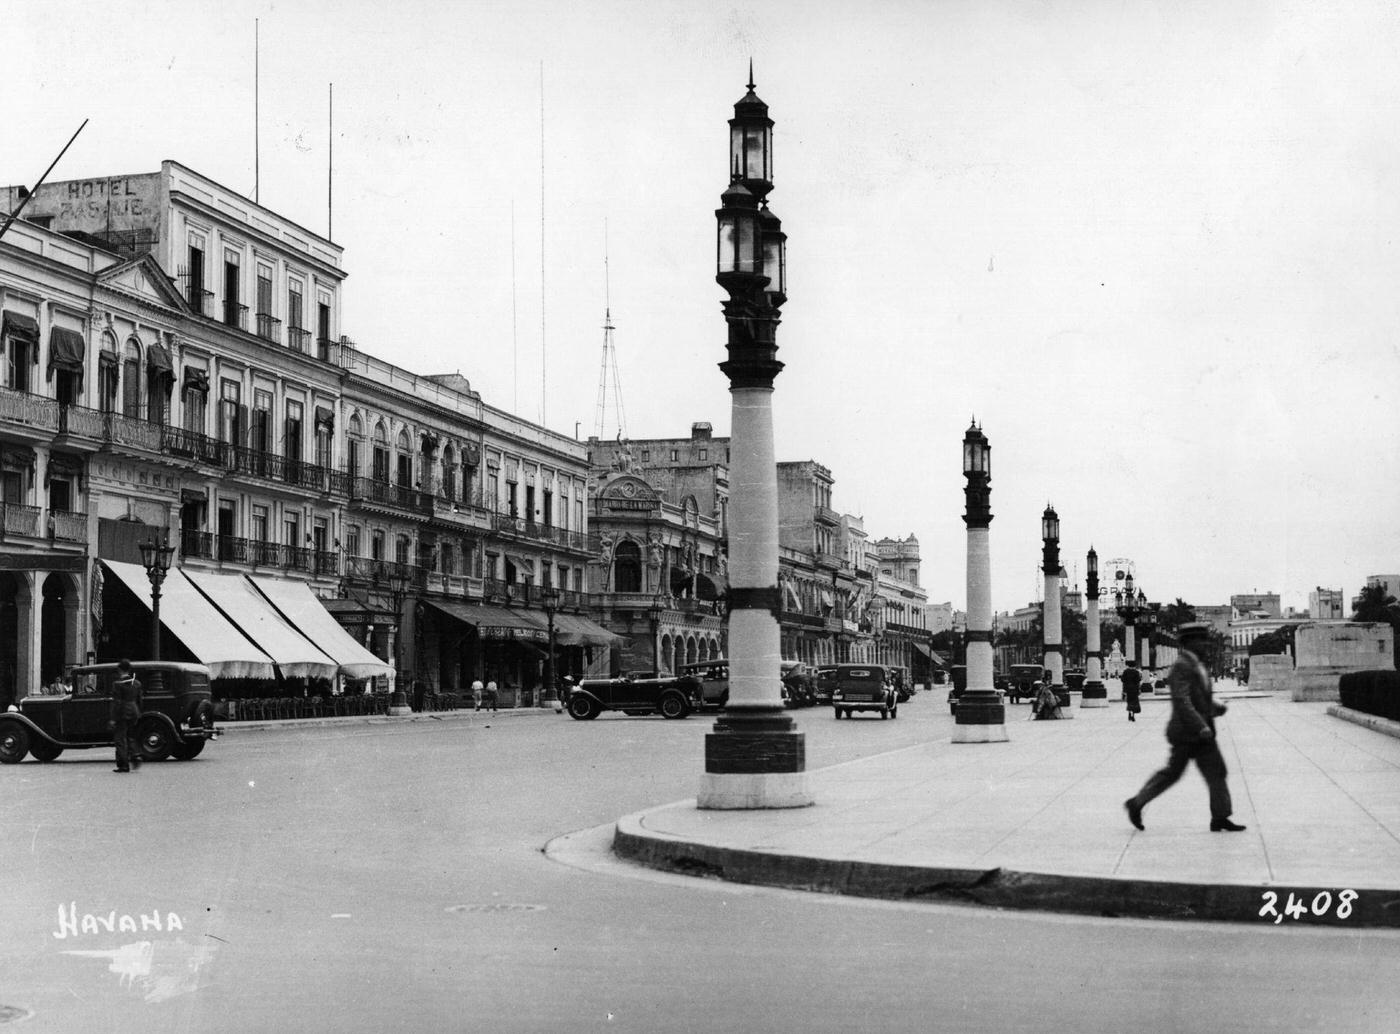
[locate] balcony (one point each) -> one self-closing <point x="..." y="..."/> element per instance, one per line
<point x="230" y="549"/>
<point x="826" y="515"/>
<point x="114" y="428"/>
<point x="200" y="300"/>
<point x="378" y="572"/>
<point x="16" y="519"/>
<point x="533" y="531"/>
<point x="176" y="441"/>
<point x="324" y="347"/>
<point x="68" y="526"/>
<point x="383" y="493"/>
<point x="298" y="338"/>
<point x="235" y="315"/>
<point x="22" y="408"/>
<point x="268" y="326"/>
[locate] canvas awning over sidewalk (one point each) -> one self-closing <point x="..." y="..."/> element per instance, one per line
<point x="295" y="602"/>
<point x="189" y="616"/>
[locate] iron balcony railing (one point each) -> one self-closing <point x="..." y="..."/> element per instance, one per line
<point x="68" y="526"/>
<point x="177" y="441"/>
<point x="384" y="493"/>
<point x="323" y="348"/>
<point x="381" y="572"/>
<point x="205" y="545"/>
<point x="235" y="315"/>
<point x="268" y="326"/>
<point x="533" y="530"/>
<point x="96" y="425"/>
<point x="297" y="337"/>
<point x="20" y="407"/>
<point x="18" y="519"/>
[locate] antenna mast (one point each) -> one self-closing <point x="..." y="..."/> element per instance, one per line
<point x="255" y="111"/>
<point x="544" y="351"/>
<point x="607" y="371"/>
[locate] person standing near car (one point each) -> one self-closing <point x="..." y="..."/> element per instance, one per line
<point x="125" y="711"/>
<point x="1191" y="733"/>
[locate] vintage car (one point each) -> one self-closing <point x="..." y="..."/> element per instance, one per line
<point x="714" y="678"/>
<point x="177" y="717"/>
<point x="799" y="684"/>
<point x="670" y="696"/>
<point x="825" y="683"/>
<point x="864" y="687"/>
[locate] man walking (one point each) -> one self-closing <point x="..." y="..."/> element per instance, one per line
<point x="125" y="711"/>
<point x="1191" y="733"/>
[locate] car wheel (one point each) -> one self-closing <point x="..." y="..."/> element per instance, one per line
<point x="157" y="742"/>
<point x="673" y="705"/>
<point x="581" y="708"/>
<point x="187" y="749"/>
<point x="14" y="743"/>
<point x="43" y="750"/>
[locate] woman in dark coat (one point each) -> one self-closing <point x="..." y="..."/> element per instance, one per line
<point x="1132" y="686"/>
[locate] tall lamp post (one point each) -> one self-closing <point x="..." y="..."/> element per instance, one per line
<point x="155" y="558"/>
<point x="981" y="715"/>
<point x="549" y="599"/>
<point x="1125" y="603"/>
<point x="754" y="757"/>
<point x="399" y="582"/>
<point x="1050" y="609"/>
<point x="1148" y="621"/>
<point x="1095" y="693"/>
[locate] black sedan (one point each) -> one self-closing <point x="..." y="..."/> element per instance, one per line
<point x="669" y="696"/>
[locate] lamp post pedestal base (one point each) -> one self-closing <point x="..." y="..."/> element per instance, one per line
<point x="981" y="718"/>
<point x="398" y="705"/>
<point x="1095" y="694"/>
<point x="755" y="758"/>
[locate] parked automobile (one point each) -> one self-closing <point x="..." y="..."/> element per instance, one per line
<point x="864" y="687"/>
<point x="825" y="683"/>
<point x="799" y="684"/>
<point x="714" y="678"/>
<point x="903" y="685"/>
<point x="1021" y="680"/>
<point x="177" y="716"/>
<point x="671" y="696"/>
<point x="1074" y="680"/>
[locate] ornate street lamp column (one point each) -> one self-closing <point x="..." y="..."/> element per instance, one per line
<point x="398" y="588"/>
<point x="1095" y="694"/>
<point x="755" y="757"/>
<point x="981" y="715"/>
<point x="1050" y="609"/>
<point x="1125" y="602"/>
<point x="155" y="558"/>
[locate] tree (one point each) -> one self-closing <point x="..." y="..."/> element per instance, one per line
<point x="1374" y="604"/>
<point x="1174" y="615"/>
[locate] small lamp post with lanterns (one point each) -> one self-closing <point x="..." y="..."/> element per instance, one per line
<point x="981" y="714"/>
<point x="549" y="599"/>
<point x="155" y="558"/>
<point x="1125" y="604"/>
<point x="755" y="757"/>
<point x="399" y="584"/>
<point x="1095" y="694"/>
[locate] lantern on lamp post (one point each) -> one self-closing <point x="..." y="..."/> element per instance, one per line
<point x="155" y="558"/>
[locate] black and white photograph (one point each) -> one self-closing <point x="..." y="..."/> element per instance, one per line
<point x="677" y="517"/>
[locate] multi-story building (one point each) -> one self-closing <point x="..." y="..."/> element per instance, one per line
<point x="1326" y="604"/>
<point x="833" y="607"/>
<point x="195" y="381"/>
<point x="1246" y="602"/>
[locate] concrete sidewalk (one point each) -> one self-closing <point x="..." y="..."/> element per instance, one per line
<point x="1039" y="822"/>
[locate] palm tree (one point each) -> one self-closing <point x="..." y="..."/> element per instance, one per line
<point x="1375" y="604"/>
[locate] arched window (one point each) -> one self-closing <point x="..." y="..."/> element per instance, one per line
<point x="405" y="469"/>
<point x="627" y="568"/>
<point x="131" y="380"/>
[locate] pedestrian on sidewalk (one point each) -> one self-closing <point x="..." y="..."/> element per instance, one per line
<point x="490" y="696"/>
<point x="122" y="718"/>
<point x="1132" y="687"/>
<point x="477" y="690"/>
<point x="1191" y="733"/>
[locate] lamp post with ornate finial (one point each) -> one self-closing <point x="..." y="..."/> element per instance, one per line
<point x="754" y="757"/>
<point x="155" y="558"/>
<point x="1095" y="693"/>
<point x="981" y="715"/>
<point x="1050" y="609"/>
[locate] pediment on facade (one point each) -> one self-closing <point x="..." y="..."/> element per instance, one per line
<point x="628" y="492"/>
<point x="142" y="278"/>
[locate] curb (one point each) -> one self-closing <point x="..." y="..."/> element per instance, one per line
<point x="1007" y="888"/>
<point x="226" y="727"/>
<point x="1370" y="721"/>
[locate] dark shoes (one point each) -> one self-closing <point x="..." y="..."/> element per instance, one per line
<point x="122" y="768"/>
<point x="1225" y="826"/>
<point x="1135" y="813"/>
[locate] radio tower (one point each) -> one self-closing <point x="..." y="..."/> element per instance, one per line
<point x="608" y="383"/>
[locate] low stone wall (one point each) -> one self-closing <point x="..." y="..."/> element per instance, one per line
<point x="1271" y="672"/>
<point x="1317" y="684"/>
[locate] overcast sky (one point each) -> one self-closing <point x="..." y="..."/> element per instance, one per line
<point x="1150" y="246"/>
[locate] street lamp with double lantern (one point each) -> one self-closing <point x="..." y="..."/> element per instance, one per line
<point x="155" y="558"/>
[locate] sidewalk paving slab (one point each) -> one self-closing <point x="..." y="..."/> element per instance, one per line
<point x="1038" y="822"/>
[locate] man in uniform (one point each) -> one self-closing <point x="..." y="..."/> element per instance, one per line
<point x="126" y="709"/>
<point x="1191" y="733"/>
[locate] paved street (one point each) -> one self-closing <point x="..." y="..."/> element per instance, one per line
<point x="378" y="877"/>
